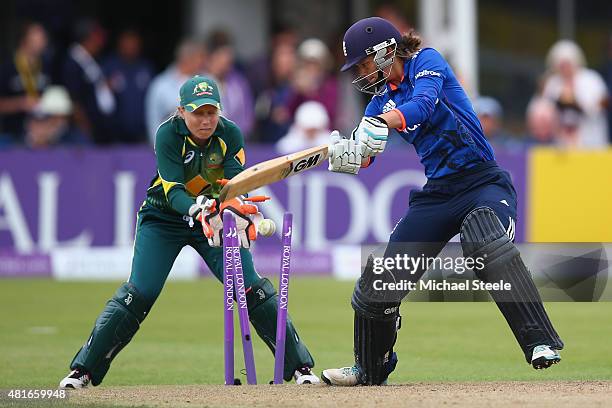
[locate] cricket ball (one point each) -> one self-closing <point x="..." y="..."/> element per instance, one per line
<point x="266" y="227"/>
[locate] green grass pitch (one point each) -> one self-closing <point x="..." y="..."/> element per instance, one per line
<point x="45" y="322"/>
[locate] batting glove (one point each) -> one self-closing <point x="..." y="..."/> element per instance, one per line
<point x="346" y="155"/>
<point x="373" y="133"/>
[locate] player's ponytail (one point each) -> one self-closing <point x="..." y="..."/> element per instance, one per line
<point x="409" y="44"/>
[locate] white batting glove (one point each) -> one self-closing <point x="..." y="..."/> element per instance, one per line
<point x="346" y="155"/>
<point x="372" y="132"/>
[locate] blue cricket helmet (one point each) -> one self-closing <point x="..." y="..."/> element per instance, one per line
<point x="365" y="37"/>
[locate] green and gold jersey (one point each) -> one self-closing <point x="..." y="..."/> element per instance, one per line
<point x="186" y="169"/>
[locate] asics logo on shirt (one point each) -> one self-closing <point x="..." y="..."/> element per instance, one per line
<point x="189" y="156"/>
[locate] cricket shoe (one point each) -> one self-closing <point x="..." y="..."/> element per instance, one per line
<point x="76" y="379"/>
<point x="345" y="376"/>
<point x="544" y="356"/>
<point x="305" y="375"/>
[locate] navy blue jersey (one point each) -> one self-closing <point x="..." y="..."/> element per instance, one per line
<point x="437" y="116"/>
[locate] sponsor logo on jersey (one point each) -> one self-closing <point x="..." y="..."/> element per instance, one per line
<point x="426" y="72"/>
<point x="189" y="156"/>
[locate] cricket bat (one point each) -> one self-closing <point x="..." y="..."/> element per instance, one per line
<point x="273" y="170"/>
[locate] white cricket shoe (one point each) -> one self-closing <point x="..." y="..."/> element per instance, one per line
<point x="544" y="356"/>
<point x="345" y="376"/>
<point x="305" y="375"/>
<point x="76" y="379"/>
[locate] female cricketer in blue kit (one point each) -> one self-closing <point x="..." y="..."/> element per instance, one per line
<point x="417" y="94"/>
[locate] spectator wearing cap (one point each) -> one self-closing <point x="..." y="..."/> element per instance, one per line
<point x="129" y="77"/>
<point x="490" y="114"/>
<point x="49" y="125"/>
<point x="23" y="78"/>
<point x="311" y="128"/>
<point x="94" y="103"/>
<point x="312" y="80"/>
<point x="580" y="95"/>
<point x="238" y="106"/>
<point x="160" y="100"/>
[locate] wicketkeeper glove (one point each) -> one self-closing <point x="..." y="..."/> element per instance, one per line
<point x="373" y="133"/>
<point x="210" y="214"/>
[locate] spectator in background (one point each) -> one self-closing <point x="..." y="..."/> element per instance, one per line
<point x="580" y="95"/>
<point x="490" y="114"/>
<point x="312" y="80"/>
<point x="271" y="109"/>
<point x="311" y="128"/>
<point x="23" y="79"/>
<point x="49" y="125"/>
<point x="261" y="69"/>
<point x="160" y="100"/>
<point x="542" y="123"/>
<point x="94" y="103"/>
<point x="129" y="76"/>
<point x="239" y="104"/>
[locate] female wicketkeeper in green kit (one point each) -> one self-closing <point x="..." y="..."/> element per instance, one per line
<point x="194" y="149"/>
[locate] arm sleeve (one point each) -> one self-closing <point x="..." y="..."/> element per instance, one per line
<point x="235" y="157"/>
<point x="598" y="92"/>
<point x="168" y="148"/>
<point x="430" y="73"/>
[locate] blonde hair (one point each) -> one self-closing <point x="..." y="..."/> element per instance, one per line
<point x="565" y="50"/>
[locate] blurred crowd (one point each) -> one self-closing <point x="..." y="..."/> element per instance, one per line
<point x="291" y="96"/>
<point x="570" y="108"/>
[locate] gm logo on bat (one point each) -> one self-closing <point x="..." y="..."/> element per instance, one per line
<point x="304" y="164"/>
